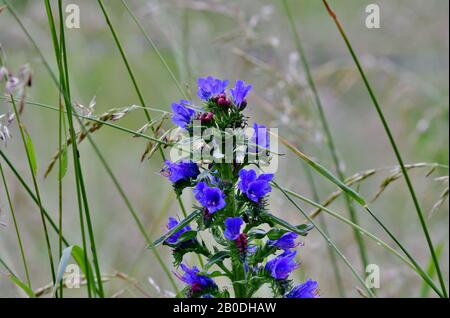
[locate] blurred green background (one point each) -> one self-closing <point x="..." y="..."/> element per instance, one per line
<point x="406" y="60"/>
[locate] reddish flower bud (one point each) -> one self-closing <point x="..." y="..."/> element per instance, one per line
<point x="223" y="102"/>
<point x="241" y="243"/>
<point x="206" y="118"/>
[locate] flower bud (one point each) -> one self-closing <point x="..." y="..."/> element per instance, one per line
<point x="206" y="118"/>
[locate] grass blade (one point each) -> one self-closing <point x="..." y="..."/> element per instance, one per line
<point x="175" y="229"/>
<point x="30" y="149"/>
<point x="17" y="281"/>
<point x="328" y="240"/>
<point x="328" y="134"/>
<point x="395" y="148"/>
<point x="16" y="227"/>
<point x="431" y="270"/>
<point x="324" y="172"/>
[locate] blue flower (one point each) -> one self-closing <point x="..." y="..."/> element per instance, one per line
<point x="254" y="187"/>
<point x="260" y="138"/>
<point x="306" y="290"/>
<point x="285" y="242"/>
<point x="210" y="86"/>
<point x="174" y="237"/>
<point x="182" y="115"/>
<point x="239" y="92"/>
<point x="196" y="282"/>
<point x="281" y="266"/>
<point x="211" y="198"/>
<point x="183" y="170"/>
<point x="233" y="228"/>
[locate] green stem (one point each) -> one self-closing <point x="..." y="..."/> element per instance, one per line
<point x="155" y="48"/>
<point x="327" y="239"/>
<point x="136" y="86"/>
<point x="36" y="188"/>
<point x="323" y="224"/>
<point x="16" y="228"/>
<point x="32" y="195"/>
<point x="328" y="134"/>
<point x="62" y="85"/>
<point x="133" y="213"/>
<point x="408" y="260"/>
<point x="394" y="147"/>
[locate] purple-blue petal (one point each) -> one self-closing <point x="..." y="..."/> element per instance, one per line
<point x="233" y="228"/>
<point x="183" y="170"/>
<point x="211" y="198"/>
<point x="286" y="241"/>
<point x="254" y="187"/>
<point x="182" y="115"/>
<point x="210" y="86"/>
<point x="308" y="289"/>
<point x="260" y="138"/>
<point x="239" y="92"/>
<point x="281" y="266"/>
<point x="174" y="237"/>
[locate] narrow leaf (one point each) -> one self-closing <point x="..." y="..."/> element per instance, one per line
<point x="175" y="229"/>
<point x="22" y="285"/>
<point x="77" y="253"/>
<point x="186" y="236"/>
<point x="324" y="172"/>
<point x="64" y="164"/>
<point x="300" y="229"/>
<point x="431" y="270"/>
<point x="30" y="149"/>
<point x="218" y="257"/>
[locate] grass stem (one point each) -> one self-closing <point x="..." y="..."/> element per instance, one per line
<point x="394" y="147"/>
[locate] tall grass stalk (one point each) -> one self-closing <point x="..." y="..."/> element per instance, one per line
<point x="57" y="45"/>
<point x="328" y="135"/>
<point x="16" y="227"/>
<point x="394" y="147"/>
<point x="32" y="195"/>
<point x="327" y="239"/>
<point x="134" y="214"/>
<point x="102" y="159"/>
<point x="323" y="224"/>
<point x="32" y="167"/>
<point x="61" y="57"/>
<point x="135" y="84"/>
<point x="361" y="200"/>
<point x="155" y="48"/>
<point x="408" y="261"/>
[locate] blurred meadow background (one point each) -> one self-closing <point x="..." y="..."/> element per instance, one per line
<point x="406" y="60"/>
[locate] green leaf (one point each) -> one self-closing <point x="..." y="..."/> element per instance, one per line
<point x="299" y="229"/>
<point x="275" y="234"/>
<point x="64" y="164"/>
<point x="257" y="233"/>
<point x="325" y="172"/>
<point x="218" y="257"/>
<point x="186" y="236"/>
<point x="216" y="274"/>
<point x="22" y="285"/>
<point x="77" y="253"/>
<point x="431" y="270"/>
<point x="175" y="229"/>
<point x="31" y="153"/>
<point x="305" y="227"/>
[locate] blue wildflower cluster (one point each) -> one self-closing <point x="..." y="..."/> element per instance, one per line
<point x="247" y="247"/>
